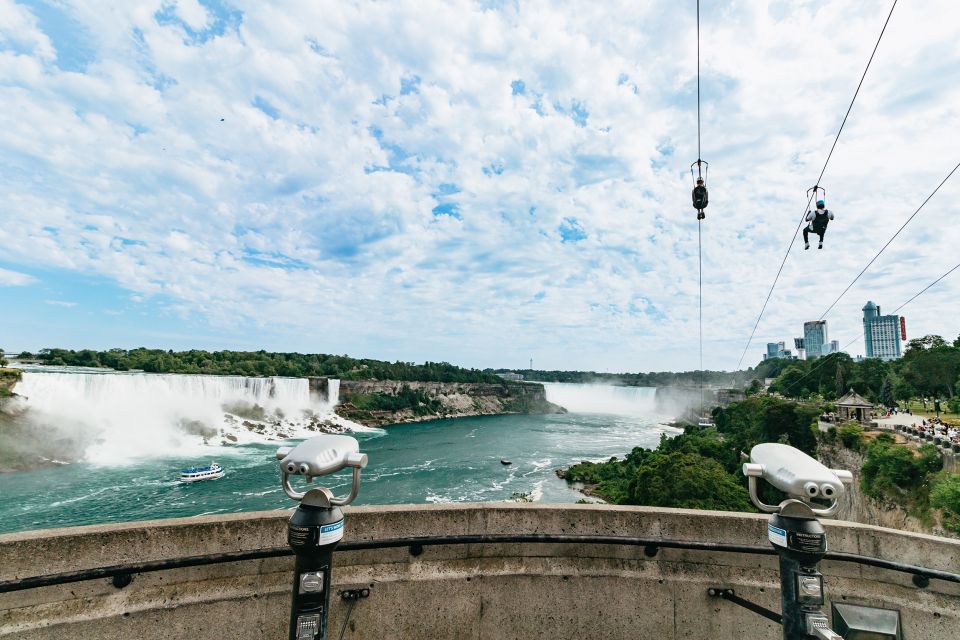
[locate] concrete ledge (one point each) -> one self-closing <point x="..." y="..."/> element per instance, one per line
<point x="477" y="590"/>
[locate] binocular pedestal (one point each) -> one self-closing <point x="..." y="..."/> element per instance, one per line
<point x="801" y="543"/>
<point x="316" y="527"/>
<point x="314" y="530"/>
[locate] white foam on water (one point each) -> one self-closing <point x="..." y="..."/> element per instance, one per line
<point x="120" y="417"/>
<point x="537" y="494"/>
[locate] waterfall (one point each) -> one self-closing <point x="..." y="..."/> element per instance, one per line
<point x="602" y="398"/>
<point x="115" y="417"/>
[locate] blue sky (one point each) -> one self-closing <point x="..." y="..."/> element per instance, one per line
<point x="474" y="182"/>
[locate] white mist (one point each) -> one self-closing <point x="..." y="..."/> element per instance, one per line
<point x="117" y="417"/>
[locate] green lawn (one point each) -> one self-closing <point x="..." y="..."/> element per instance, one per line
<point x="917" y="407"/>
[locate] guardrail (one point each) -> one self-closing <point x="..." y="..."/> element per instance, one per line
<point x="122" y="573"/>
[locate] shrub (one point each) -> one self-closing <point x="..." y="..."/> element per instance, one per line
<point x="945" y="495"/>
<point x="892" y="471"/>
<point x="687" y="480"/>
<point x="829" y="436"/>
<point x="850" y="434"/>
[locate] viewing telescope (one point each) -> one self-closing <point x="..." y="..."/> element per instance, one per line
<point x="797" y="475"/>
<point x="796" y="534"/>
<point x="316" y="527"/>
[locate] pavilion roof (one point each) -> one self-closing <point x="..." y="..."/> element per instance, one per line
<point x="854" y="399"/>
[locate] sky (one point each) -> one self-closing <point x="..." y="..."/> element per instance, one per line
<point x="474" y="182"/>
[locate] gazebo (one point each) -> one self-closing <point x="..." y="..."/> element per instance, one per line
<point x="853" y="406"/>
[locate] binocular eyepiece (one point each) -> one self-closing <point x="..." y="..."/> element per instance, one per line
<point x="292" y="468"/>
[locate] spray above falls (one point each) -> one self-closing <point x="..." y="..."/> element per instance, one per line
<point x="112" y="417"/>
<point x="602" y="398"/>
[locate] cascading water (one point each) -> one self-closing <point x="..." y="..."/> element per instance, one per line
<point x="602" y="398"/>
<point x="114" y="417"/>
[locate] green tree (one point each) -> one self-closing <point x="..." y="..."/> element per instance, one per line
<point x="926" y="342"/>
<point x="893" y="472"/>
<point x="945" y="495"/>
<point x="868" y="376"/>
<point x="687" y="480"/>
<point x="754" y="387"/>
<point x="850" y="434"/>
<point x="792" y="383"/>
<point x="888" y="395"/>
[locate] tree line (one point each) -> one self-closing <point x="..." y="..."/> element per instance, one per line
<point x="929" y="367"/>
<point x="260" y="363"/>
<point x="651" y="379"/>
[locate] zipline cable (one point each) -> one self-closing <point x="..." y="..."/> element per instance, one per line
<point x="883" y="248"/>
<point x="699" y="226"/>
<point x="698" y="83"/>
<point x="824" y="359"/>
<point x="810" y="199"/>
<point x="700" y="255"/>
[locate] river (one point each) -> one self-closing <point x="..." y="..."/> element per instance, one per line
<point x="437" y="461"/>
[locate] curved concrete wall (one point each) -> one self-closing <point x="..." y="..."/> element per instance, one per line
<point x="465" y="591"/>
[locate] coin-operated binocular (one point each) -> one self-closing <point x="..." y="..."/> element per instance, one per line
<point x="316" y="527"/>
<point x="795" y="532"/>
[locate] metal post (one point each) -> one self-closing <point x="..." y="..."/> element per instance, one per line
<point x="801" y="542"/>
<point x="316" y="527"/>
<point x="313" y="532"/>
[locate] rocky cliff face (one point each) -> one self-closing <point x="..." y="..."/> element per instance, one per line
<point x="439" y="400"/>
<point x="8" y="379"/>
<point x="858" y="507"/>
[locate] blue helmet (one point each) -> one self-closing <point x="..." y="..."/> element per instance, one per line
<point x="819" y="203"/>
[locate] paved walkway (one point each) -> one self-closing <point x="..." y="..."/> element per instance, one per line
<point x="899" y="418"/>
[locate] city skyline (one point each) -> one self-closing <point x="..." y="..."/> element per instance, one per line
<point x="882" y="337"/>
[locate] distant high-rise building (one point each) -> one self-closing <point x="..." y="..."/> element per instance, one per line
<point x="815" y="338"/>
<point x="881" y="334"/>
<point x="834" y="346"/>
<point x="799" y="346"/>
<point x="778" y="350"/>
<point x="775" y="350"/>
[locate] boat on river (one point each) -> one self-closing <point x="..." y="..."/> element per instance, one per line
<point x="211" y="471"/>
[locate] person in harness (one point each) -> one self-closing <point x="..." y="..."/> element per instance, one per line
<point x="700" y="198"/>
<point x="818" y="223"/>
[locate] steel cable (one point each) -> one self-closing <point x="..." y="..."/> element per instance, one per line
<point x="883" y="248"/>
<point x="819" y="178"/>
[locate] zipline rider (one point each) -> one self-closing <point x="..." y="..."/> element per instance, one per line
<point x="818" y="223"/>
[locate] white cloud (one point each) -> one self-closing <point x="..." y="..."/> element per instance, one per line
<point x="193" y="13"/>
<point x="308" y="211"/>
<point x="15" y="279"/>
<point x="61" y="303"/>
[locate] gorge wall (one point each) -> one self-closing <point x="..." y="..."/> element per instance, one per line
<point x="8" y="378"/>
<point x="859" y="507"/>
<point x="376" y="403"/>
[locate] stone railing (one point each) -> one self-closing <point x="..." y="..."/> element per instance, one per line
<point x="480" y="590"/>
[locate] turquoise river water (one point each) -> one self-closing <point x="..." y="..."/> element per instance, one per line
<point x="438" y="461"/>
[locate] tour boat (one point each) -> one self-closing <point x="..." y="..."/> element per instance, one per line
<point x="195" y="474"/>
